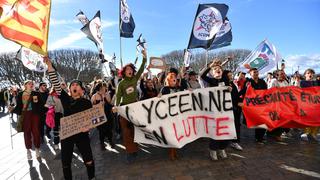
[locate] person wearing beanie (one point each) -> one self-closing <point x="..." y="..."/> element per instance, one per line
<point x="72" y="104"/>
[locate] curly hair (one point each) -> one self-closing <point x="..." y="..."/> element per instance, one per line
<point x="123" y="70"/>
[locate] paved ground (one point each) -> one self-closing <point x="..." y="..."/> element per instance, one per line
<point x="292" y="159"/>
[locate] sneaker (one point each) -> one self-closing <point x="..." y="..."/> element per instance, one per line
<point x="223" y="154"/>
<point x="38" y="153"/>
<point x="304" y="137"/>
<point x="260" y="142"/>
<point x="56" y="147"/>
<point x="236" y="146"/>
<point x="213" y="155"/>
<point x="29" y="156"/>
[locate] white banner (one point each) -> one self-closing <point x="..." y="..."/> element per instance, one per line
<point x="180" y="118"/>
<point x="90" y="118"/>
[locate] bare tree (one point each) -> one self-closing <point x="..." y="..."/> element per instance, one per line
<point x="198" y="61"/>
<point x="68" y="63"/>
<point x="71" y="63"/>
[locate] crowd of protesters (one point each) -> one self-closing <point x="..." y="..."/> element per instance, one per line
<point x="129" y="85"/>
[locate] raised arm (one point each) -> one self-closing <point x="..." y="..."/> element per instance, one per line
<point x="53" y="77"/>
<point x="141" y="69"/>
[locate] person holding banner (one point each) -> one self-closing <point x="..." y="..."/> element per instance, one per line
<point x="73" y="104"/>
<point x="216" y="80"/>
<point x="171" y="86"/>
<point x="227" y="77"/>
<point x="310" y="133"/>
<point x="280" y="81"/>
<point x="127" y="93"/>
<point x="256" y="83"/>
<point x="28" y="107"/>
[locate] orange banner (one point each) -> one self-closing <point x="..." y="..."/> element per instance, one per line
<point x="289" y="107"/>
<point x="26" y="22"/>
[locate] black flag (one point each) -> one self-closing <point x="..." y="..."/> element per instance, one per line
<point x="126" y="23"/>
<point x="206" y="25"/>
<point x="223" y="37"/>
<point x="82" y="18"/>
<point x="93" y="30"/>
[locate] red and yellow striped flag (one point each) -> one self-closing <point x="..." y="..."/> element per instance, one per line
<point x="26" y="22"/>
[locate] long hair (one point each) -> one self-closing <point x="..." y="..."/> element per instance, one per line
<point x="123" y="70"/>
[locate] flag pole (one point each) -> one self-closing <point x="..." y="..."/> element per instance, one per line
<point x="121" y="52"/>
<point x="120" y="33"/>
<point x="48" y="30"/>
<point x="206" y="58"/>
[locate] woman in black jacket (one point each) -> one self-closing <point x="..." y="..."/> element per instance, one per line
<point x="72" y="104"/>
<point x="29" y="107"/>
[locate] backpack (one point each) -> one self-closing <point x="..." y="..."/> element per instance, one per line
<point x="50" y="117"/>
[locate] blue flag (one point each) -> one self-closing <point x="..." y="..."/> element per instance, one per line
<point x="223" y="37"/>
<point x="207" y="24"/>
<point x="126" y="20"/>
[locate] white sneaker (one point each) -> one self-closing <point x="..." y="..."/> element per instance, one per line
<point x="223" y="154"/>
<point x="304" y="137"/>
<point x="38" y="153"/>
<point x="29" y="155"/>
<point x="213" y="155"/>
<point x="56" y="147"/>
<point x="236" y="146"/>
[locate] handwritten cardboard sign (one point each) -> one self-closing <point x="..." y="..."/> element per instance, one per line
<point x="157" y="62"/>
<point x="90" y="118"/>
<point x="180" y="118"/>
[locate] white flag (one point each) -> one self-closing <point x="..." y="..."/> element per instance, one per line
<point x="265" y="58"/>
<point x="31" y="60"/>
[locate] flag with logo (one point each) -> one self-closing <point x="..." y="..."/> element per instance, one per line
<point x="82" y="18"/>
<point x="265" y="58"/>
<point x="126" y="23"/>
<point x="93" y="30"/>
<point x="31" y="60"/>
<point x="26" y="22"/>
<point x="207" y="23"/>
<point x="223" y="37"/>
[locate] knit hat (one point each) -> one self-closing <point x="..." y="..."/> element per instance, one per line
<point x="76" y="81"/>
<point x="42" y="83"/>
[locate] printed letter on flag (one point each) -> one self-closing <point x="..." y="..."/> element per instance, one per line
<point x="207" y="24"/>
<point x="265" y="58"/>
<point x="126" y="23"/>
<point x="26" y="22"/>
<point x="288" y="107"/>
<point x="180" y="118"/>
<point x="223" y="37"/>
